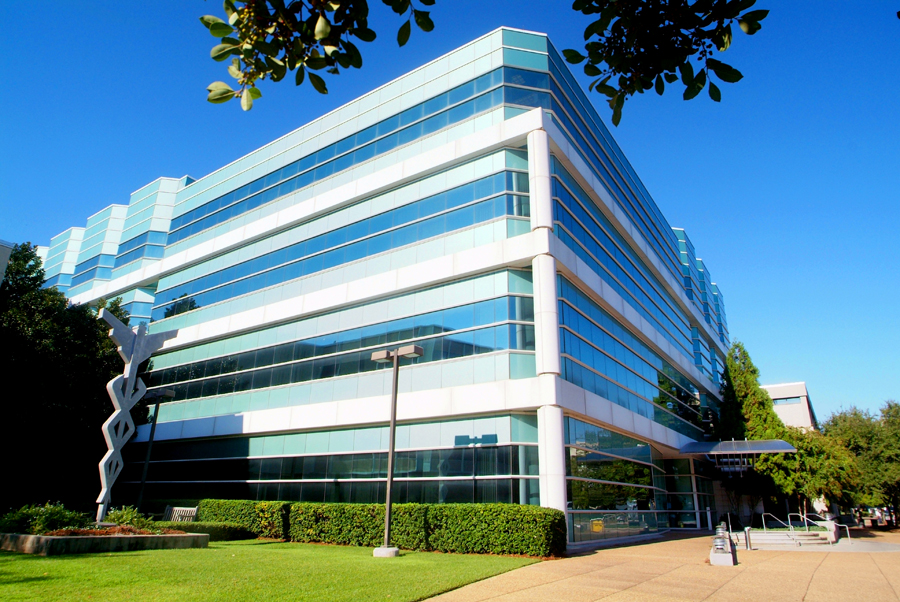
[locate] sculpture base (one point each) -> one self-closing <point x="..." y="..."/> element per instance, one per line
<point x="383" y="552"/>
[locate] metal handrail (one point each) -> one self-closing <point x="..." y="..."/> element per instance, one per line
<point x="825" y="519"/>
<point x="788" y="524"/>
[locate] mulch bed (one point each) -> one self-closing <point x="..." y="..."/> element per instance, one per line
<point x="119" y="530"/>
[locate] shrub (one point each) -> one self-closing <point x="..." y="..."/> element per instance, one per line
<point x="358" y="524"/>
<point x="266" y="519"/>
<point x="459" y="528"/>
<point x="216" y="531"/>
<point x="41" y="519"/>
<point x="129" y="515"/>
<point x="496" y="529"/>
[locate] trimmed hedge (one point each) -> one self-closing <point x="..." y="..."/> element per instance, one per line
<point x="459" y="528"/>
<point x="359" y="524"/>
<point x="216" y="531"/>
<point x="266" y="519"/>
<point x="496" y="529"/>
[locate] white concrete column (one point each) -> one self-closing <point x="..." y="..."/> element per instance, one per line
<point x="552" y="457"/>
<point x="539" y="180"/>
<point x="546" y="316"/>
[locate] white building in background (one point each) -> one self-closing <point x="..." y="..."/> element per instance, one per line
<point x="793" y="405"/>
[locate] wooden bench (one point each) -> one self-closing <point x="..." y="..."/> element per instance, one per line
<point x="180" y="514"/>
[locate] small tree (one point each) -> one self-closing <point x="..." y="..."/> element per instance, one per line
<point x="55" y="361"/>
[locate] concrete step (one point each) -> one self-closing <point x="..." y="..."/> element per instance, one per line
<point x="784" y="538"/>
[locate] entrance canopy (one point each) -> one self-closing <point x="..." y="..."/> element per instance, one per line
<point x="736" y="456"/>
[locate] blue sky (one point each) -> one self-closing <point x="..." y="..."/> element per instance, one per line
<point x="788" y="187"/>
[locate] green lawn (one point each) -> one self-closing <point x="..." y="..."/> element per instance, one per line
<point x="244" y="570"/>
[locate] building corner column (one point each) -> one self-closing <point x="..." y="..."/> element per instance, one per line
<point x="551" y="457"/>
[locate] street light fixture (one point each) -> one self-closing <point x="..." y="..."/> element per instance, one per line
<point x="383" y="357"/>
<point x="157" y="396"/>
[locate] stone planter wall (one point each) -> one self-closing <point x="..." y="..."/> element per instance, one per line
<point x="85" y="544"/>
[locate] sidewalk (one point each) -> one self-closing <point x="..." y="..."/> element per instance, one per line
<point x="677" y="569"/>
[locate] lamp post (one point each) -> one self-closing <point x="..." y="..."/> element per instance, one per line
<point x="383" y="357"/>
<point x="157" y="396"/>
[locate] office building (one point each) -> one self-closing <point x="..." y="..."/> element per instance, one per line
<point x="477" y="207"/>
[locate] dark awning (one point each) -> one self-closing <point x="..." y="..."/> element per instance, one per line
<point x="718" y="448"/>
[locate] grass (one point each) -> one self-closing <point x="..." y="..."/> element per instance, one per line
<point x="244" y="570"/>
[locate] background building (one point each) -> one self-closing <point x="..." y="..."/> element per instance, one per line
<point x="477" y="207"/>
<point x="792" y="404"/>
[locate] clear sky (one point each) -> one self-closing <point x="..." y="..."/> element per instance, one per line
<point x="788" y="187"/>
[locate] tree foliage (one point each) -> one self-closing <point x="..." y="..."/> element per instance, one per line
<point x="822" y="465"/>
<point x="645" y="44"/>
<point x="266" y="39"/>
<point x="637" y="44"/>
<point x="55" y="361"/>
<point x="874" y="440"/>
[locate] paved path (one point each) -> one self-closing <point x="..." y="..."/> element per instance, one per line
<point x="677" y="569"/>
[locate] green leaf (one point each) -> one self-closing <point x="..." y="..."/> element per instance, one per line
<point x="234" y="69"/>
<point x="423" y="20"/>
<point x="364" y="33"/>
<point x="696" y="86"/>
<point x="318" y="83"/>
<point x="255" y="93"/>
<point x="246" y="100"/>
<point x="220" y="30"/>
<point x="277" y="68"/>
<point x="660" y="86"/>
<point x="591" y="70"/>
<point x="714" y="92"/>
<point x="726" y="73"/>
<point x="209" y="20"/>
<point x="219" y="92"/>
<point x="403" y="34"/>
<point x="724" y="39"/>
<point x="354" y="54"/>
<point x="221" y="52"/>
<point x="323" y="28"/>
<point x="573" y="56"/>
<point x="687" y="73"/>
<point x="301" y="75"/>
<point x="755" y="15"/>
<point x="749" y="27"/>
<point x="316" y="62"/>
<point x="670" y="77"/>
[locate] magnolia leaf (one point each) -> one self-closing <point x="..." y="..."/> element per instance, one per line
<point x="365" y="34"/>
<point x="210" y="20"/>
<point x="403" y="34"/>
<point x="687" y="73"/>
<point x="246" y="100"/>
<point x="323" y="28"/>
<point x="726" y="73"/>
<point x="423" y="20"/>
<point x="221" y="52"/>
<point x="220" y="30"/>
<point x="219" y="92"/>
<point x="318" y="83"/>
<point x="573" y="56"/>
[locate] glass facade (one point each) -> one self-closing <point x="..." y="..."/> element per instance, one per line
<point x="486" y="460"/>
<point x="405" y="217"/>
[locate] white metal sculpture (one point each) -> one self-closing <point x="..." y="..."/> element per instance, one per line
<point x="125" y="391"/>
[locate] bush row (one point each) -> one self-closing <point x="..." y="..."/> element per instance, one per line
<point x="266" y="519"/>
<point x="459" y="528"/>
<point x="216" y="531"/>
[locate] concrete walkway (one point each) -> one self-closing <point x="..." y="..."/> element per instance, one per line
<point x="677" y="569"/>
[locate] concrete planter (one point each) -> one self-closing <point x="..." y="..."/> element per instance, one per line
<point x="44" y="545"/>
